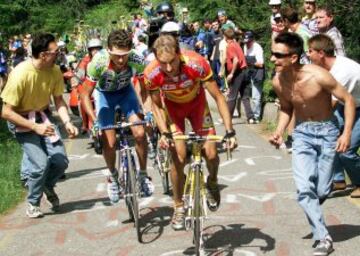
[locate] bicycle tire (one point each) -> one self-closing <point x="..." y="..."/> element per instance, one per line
<point x="133" y="201"/>
<point x="197" y="211"/>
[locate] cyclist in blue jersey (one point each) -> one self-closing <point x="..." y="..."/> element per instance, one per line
<point x="110" y="73"/>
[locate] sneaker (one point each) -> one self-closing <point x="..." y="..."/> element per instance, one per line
<point x="324" y="247"/>
<point x="113" y="187"/>
<point x="33" y="211"/>
<point x="288" y="144"/>
<point x="338" y="185"/>
<point x="251" y="121"/>
<point x="178" y="219"/>
<point x="213" y="196"/>
<point x="146" y="186"/>
<point x="52" y="198"/>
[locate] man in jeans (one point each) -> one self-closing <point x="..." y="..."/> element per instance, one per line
<point x="306" y="90"/>
<point x="26" y="98"/>
<point x="346" y="72"/>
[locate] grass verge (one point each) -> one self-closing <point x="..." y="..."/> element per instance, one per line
<point x="11" y="191"/>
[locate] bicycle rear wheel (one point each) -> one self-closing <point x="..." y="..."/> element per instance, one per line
<point x="197" y="211"/>
<point x="132" y="195"/>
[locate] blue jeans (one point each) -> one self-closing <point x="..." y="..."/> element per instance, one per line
<point x="350" y="160"/>
<point x="256" y="92"/>
<point x="312" y="162"/>
<point x="25" y="162"/>
<point x="48" y="163"/>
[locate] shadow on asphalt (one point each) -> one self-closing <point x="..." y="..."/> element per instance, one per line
<point x="153" y="222"/>
<point x="77" y="174"/>
<point x="343" y="232"/>
<point x="225" y="240"/>
<point x="82" y="205"/>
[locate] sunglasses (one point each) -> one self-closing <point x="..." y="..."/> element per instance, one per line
<point x="119" y="54"/>
<point x="280" y="55"/>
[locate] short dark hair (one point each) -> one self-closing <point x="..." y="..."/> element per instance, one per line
<point x="290" y="14"/>
<point x="322" y="42"/>
<point x="327" y="9"/>
<point x="293" y="41"/>
<point x="120" y="39"/>
<point x="40" y="43"/>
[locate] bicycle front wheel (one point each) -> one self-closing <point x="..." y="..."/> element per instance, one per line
<point x="197" y="211"/>
<point x="131" y="198"/>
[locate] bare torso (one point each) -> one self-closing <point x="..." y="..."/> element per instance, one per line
<point x="302" y="90"/>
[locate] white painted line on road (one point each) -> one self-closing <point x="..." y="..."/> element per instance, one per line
<point x="233" y="178"/>
<point x="100" y="187"/>
<point x="246" y="146"/>
<point x="259" y="198"/>
<point x="78" y="157"/>
<point x="227" y="162"/>
<point x="113" y="223"/>
<point x="250" y="160"/>
<point x="231" y="199"/>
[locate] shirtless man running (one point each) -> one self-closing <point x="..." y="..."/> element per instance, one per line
<point x="307" y="90"/>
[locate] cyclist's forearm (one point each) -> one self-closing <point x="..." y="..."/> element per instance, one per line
<point x="160" y="118"/>
<point x="86" y="103"/>
<point x="224" y="112"/>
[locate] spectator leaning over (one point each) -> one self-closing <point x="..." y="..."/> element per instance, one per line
<point x="309" y="19"/>
<point x="325" y="23"/>
<point x="26" y="98"/>
<point x="254" y="55"/>
<point x="347" y="73"/>
<point x="236" y="75"/>
<point x="275" y="6"/>
<point x="306" y="91"/>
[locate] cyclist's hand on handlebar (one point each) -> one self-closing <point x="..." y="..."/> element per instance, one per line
<point x="230" y="140"/>
<point x="166" y="140"/>
<point x="95" y="130"/>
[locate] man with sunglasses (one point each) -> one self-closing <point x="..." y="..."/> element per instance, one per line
<point x="110" y="73"/>
<point x="26" y="99"/>
<point x="177" y="80"/>
<point x="306" y="90"/>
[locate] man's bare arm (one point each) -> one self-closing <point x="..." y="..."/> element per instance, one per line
<point x="158" y="111"/>
<point x="85" y="96"/>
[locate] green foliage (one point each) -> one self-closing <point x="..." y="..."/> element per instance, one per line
<point x="11" y="190"/>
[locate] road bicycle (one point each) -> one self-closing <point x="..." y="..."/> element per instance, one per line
<point x="194" y="196"/>
<point x="162" y="158"/>
<point x="128" y="173"/>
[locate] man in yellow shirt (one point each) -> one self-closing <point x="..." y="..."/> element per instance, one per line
<point x="26" y="98"/>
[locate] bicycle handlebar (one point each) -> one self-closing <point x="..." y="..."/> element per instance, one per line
<point x="124" y="125"/>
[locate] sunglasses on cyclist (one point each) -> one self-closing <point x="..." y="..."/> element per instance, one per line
<point x="280" y="55"/>
<point x="119" y="53"/>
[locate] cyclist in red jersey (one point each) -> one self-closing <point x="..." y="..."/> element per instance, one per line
<point x="181" y="77"/>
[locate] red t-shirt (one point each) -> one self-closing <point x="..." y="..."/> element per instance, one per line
<point x="234" y="50"/>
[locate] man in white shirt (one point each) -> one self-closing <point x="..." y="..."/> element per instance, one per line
<point x="347" y="73"/>
<point x="254" y="55"/>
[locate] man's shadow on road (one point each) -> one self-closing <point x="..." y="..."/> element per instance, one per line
<point x="343" y="232"/>
<point x="82" y="205"/>
<point x="227" y="239"/>
<point x="79" y="173"/>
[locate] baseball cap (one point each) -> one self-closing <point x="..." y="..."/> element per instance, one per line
<point x="274" y="2"/>
<point x="277" y="16"/>
<point x="221" y="13"/>
<point x="226" y="26"/>
<point x="248" y="36"/>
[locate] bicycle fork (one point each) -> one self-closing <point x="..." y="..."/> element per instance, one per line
<point x="189" y="196"/>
